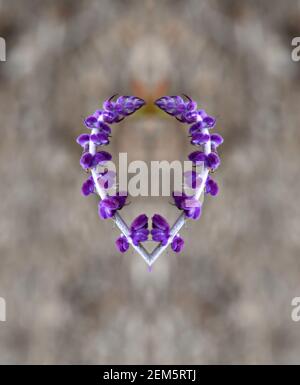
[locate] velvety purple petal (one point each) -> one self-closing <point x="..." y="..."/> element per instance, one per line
<point x="105" y="212"/>
<point x="86" y="160"/>
<point x="122" y="244"/>
<point x="197" y="157"/>
<point x="177" y="244"/>
<point x="159" y="235"/>
<point x="83" y="139"/>
<point x="108" y="105"/>
<point x="91" y="122"/>
<point x="211" y="187"/>
<point x="213" y="160"/>
<point x="101" y="157"/>
<point x="104" y="128"/>
<point x="109" y="116"/>
<point x="110" y="203"/>
<point x="191" y="105"/>
<point x="191" y="116"/>
<point x="121" y="198"/>
<point x="100" y="139"/>
<point x="217" y="139"/>
<point x="199" y="138"/>
<point x="159" y="222"/>
<point x="195" y="128"/>
<point x="140" y="222"/>
<point x="140" y="235"/>
<point x="209" y="121"/>
<point x="88" y="187"/>
<point x="193" y="212"/>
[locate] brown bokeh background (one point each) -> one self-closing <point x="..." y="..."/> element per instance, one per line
<point x="71" y="298"/>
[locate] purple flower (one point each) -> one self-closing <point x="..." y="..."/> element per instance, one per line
<point x="83" y="139"/>
<point x="216" y="141"/>
<point x="177" y="244"/>
<point x="86" y="160"/>
<point x="100" y="139"/>
<point x="160" y="229"/>
<point x="199" y="138"/>
<point x="139" y="236"/>
<point x="211" y="160"/>
<point x="122" y="244"/>
<point x="197" y="157"/>
<point x="108" y="207"/>
<point x="140" y="222"/>
<point x="192" y="179"/>
<point x="101" y="157"/>
<point x="185" y="111"/>
<point x="139" y="229"/>
<point x="211" y="187"/>
<point x="115" y="111"/>
<point x="207" y="121"/>
<point x="94" y="120"/>
<point x="190" y="206"/>
<point x="196" y="128"/>
<point x="88" y="187"/>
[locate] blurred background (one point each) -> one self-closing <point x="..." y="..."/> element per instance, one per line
<point x="71" y="297"/>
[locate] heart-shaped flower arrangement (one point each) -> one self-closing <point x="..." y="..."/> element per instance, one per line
<point x="101" y="179"/>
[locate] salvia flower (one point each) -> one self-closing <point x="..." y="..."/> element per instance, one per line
<point x="160" y="229"/>
<point x="83" y="139"/>
<point x="122" y="244"/>
<point x="88" y="187"/>
<point x="186" y="111"/>
<point x="101" y="157"/>
<point x="139" y="229"/>
<point x="207" y="121"/>
<point x="211" y="187"/>
<point x="115" y="111"/>
<point x="177" y="244"/>
<point x="86" y="160"/>
<point x="108" y="207"/>
<point x="100" y="139"/>
<point x="216" y="141"/>
<point x="188" y="204"/>
<point x="211" y="160"/>
<point x="199" y="138"/>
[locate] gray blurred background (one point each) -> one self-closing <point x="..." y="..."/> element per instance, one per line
<point x="71" y="297"/>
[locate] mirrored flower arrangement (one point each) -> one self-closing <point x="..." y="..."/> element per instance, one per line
<point x="115" y="110"/>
